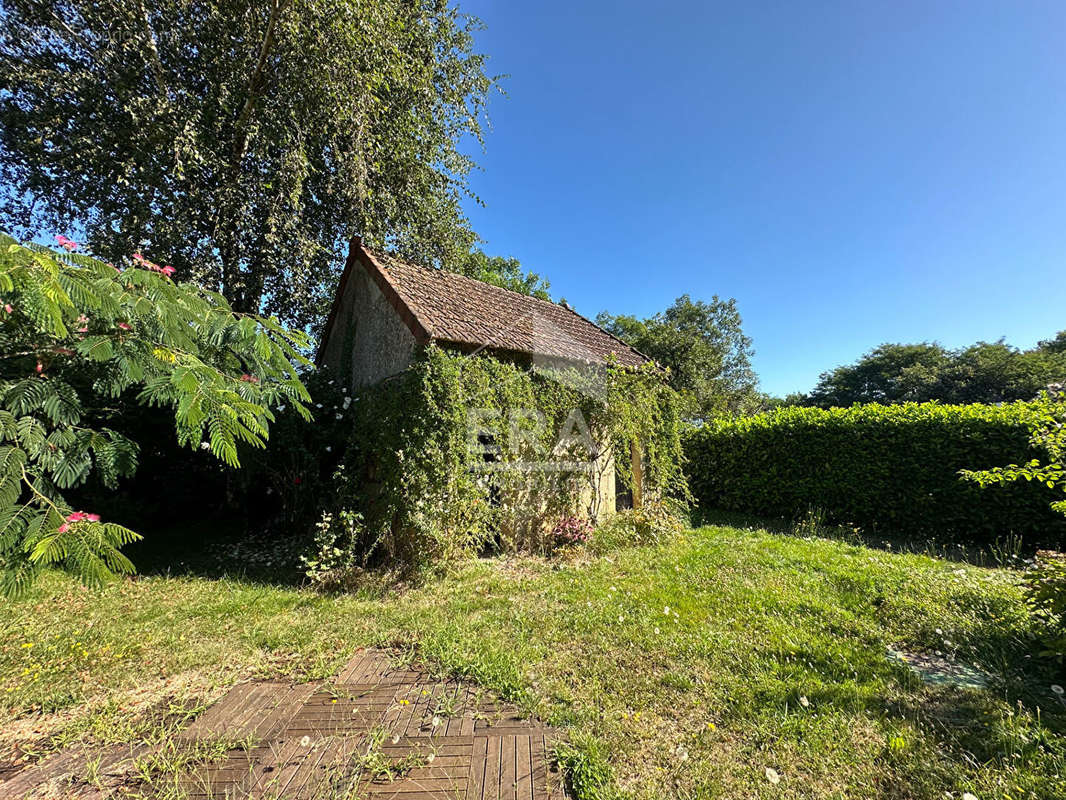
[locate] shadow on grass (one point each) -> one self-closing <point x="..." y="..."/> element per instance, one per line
<point x="218" y="548"/>
<point x="1007" y="552"/>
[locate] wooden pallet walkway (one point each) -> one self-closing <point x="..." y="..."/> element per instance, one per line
<point x="379" y="730"/>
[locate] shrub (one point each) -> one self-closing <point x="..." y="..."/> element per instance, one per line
<point x="655" y="521"/>
<point x="1048" y="437"/>
<point x="1045" y="591"/>
<point x="893" y="468"/>
<point x="571" y="531"/>
<point x="82" y="342"/>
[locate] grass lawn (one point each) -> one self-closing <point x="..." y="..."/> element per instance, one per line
<point x="683" y="670"/>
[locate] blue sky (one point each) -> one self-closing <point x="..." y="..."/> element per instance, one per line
<point x="852" y="173"/>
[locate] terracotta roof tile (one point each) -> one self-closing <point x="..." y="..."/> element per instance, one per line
<point x="455" y="309"/>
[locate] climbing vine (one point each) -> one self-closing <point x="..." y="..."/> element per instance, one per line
<point x="461" y="454"/>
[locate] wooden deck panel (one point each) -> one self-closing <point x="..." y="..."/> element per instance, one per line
<point x="310" y="741"/>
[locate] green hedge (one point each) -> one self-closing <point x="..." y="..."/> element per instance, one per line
<point x="891" y="468"/>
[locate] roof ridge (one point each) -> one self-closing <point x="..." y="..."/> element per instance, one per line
<point x="374" y="253"/>
<point x="487" y="313"/>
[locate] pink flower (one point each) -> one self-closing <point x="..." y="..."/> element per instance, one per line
<point x="9" y="308"/>
<point x="249" y="378"/>
<point x="138" y="257"/>
<point x="64" y="528"/>
<point x="40" y="367"/>
<point x="82" y="516"/>
<point x="168" y="271"/>
<point x="66" y="244"/>
<point x="125" y="326"/>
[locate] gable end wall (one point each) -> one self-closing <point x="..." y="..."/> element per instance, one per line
<point x="368" y="341"/>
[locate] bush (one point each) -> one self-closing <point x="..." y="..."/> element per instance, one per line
<point x="890" y="468"/>
<point x="1045" y="591"/>
<point x="636" y="527"/>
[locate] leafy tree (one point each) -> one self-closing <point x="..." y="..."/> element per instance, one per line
<point x="986" y="372"/>
<point x="891" y="373"/>
<point x="504" y="272"/>
<point x="246" y="140"/>
<point x="82" y="340"/>
<point x="1055" y="345"/>
<point x="705" y="348"/>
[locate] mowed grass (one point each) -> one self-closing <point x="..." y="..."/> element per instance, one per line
<point x="688" y="669"/>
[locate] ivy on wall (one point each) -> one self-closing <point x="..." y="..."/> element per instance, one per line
<point x="459" y="453"/>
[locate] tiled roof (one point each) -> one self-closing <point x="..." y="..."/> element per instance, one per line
<point x="450" y="308"/>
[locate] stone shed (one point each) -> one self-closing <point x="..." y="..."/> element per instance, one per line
<point x="386" y="310"/>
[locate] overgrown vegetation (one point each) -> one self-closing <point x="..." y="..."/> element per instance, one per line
<point x="684" y="669"/>
<point x="82" y="341"/>
<point x="888" y="468"/>
<point x="465" y="454"/>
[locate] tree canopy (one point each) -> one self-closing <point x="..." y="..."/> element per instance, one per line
<point x="246" y="141"/>
<point x="704" y="346"/>
<point x="504" y="272"/>
<point x="985" y="372"/>
<point x="81" y="342"/>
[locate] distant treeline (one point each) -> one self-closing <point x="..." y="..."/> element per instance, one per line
<point x="986" y="372"/>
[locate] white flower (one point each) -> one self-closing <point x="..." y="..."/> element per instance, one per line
<point x="331" y="383"/>
<point x="329" y="448"/>
<point x="396" y="739"/>
<point x="205" y="445"/>
<point x="969" y="796"/>
<point x="305" y="742"/>
<point x="666" y="610"/>
<point x="804" y="701"/>
<point x="436" y="722"/>
<point x="281" y="408"/>
<point x="430" y="757"/>
<point x="340" y="416"/>
<point x="772" y="776"/>
<point x="656" y="631"/>
<point x="1058" y="689"/>
<point x="347" y="402"/>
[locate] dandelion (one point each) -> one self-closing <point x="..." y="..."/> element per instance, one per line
<point x="711" y="726"/>
<point x="773" y="776"/>
<point x="436" y="722"/>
